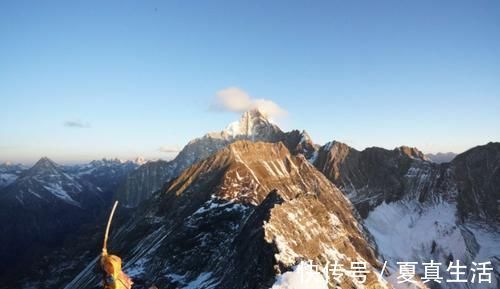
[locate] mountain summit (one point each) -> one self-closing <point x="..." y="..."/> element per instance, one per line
<point x="252" y="124"/>
<point x="44" y="166"/>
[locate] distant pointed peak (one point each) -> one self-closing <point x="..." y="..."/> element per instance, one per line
<point x="45" y="160"/>
<point x="44" y="163"/>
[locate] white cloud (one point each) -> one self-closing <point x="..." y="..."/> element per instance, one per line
<point x="169" y="149"/>
<point x="235" y="99"/>
<point x="76" y="124"/>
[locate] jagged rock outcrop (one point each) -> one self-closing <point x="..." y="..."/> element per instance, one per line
<point x="299" y="142"/>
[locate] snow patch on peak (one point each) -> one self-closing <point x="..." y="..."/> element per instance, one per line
<point x="140" y="160"/>
<point x="7" y="179"/>
<point x="216" y="203"/>
<point x="57" y="190"/>
<point x="233" y="129"/>
<point x="305" y="137"/>
<point x="251" y="123"/>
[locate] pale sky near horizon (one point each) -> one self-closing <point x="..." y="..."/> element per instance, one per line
<point x="93" y="79"/>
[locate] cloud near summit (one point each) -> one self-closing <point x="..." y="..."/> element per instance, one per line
<point x="235" y="99"/>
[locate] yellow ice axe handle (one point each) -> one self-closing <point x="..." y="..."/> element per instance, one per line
<point x="105" y="244"/>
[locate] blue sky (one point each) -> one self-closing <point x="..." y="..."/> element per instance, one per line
<point x="138" y="75"/>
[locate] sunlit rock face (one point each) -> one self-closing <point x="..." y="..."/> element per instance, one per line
<point x="253" y="126"/>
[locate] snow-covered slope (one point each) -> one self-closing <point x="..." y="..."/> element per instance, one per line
<point x="7" y="179"/>
<point x="420" y="211"/>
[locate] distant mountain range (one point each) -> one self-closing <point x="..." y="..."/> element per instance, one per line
<point x="441" y="157"/>
<point x="9" y="173"/>
<point x="239" y="207"/>
<point x="42" y="205"/>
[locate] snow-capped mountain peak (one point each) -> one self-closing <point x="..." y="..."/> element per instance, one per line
<point x="253" y="123"/>
<point x="140" y="160"/>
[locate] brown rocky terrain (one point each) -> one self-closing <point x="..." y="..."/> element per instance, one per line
<point x="238" y="219"/>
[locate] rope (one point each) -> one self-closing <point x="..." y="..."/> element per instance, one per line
<point x="105" y="244"/>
